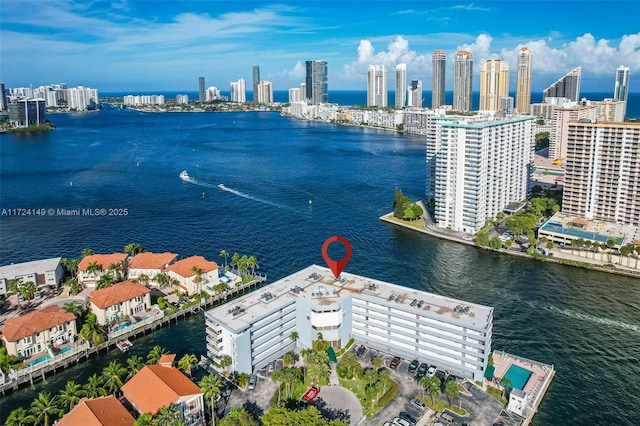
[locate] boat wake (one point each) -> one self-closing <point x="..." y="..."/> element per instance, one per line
<point x="597" y="320"/>
<point x="247" y="196"/>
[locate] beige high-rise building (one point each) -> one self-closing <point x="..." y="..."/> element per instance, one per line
<point x="602" y="179"/>
<point x="561" y="116"/>
<point x="494" y="84"/>
<point x="523" y="81"/>
<point x="462" y="79"/>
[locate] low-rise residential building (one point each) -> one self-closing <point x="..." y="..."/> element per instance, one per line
<point x="118" y="301"/>
<point x="145" y="266"/>
<point x="104" y="411"/>
<point x="32" y="333"/>
<point x="255" y="329"/>
<point x="89" y="278"/>
<point x="43" y="273"/>
<point x="158" y="385"/>
<point x="194" y="274"/>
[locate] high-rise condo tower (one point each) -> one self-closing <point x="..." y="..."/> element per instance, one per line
<point x="439" y="65"/>
<point x="462" y="79"/>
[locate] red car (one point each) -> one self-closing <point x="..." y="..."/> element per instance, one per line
<point x="395" y="362"/>
<point x="311" y="394"/>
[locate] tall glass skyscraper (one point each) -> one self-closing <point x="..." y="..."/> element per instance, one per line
<point x="256" y="82"/>
<point x="439" y="65"/>
<point x="494" y="84"/>
<point x="201" y="91"/>
<point x="462" y="79"/>
<point x="523" y="81"/>
<point x="401" y="84"/>
<point x="316" y="82"/>
<point x="567" y="86"/>
<point x="377" y="86"/>
<point x="621" y="91"/>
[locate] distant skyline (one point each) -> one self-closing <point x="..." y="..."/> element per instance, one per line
<point x="166" y="45"/>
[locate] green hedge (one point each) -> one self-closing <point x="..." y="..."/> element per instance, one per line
<point x="389" y="395"/>
<point x="346" y="348"/>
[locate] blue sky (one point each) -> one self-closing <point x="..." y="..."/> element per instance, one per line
<point x="147" y="45"/>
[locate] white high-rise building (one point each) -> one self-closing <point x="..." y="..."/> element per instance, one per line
<point x="212" y="94"/>
<point x="602" y="177"/>
<point x="182" y="99"/>
<point x="414" y="94"/>
<point x="621" y="90"/>
<point x="82" y="98"/>
<point x="481" y="166"/>
<point x="401" y="84"/>
<point x="238" y="91"/>
<point x="294" y="95"/>
<point x="377" y="86"/>
<point x="265" y="92"/>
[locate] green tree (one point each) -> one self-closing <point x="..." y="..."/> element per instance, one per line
<point x="288" y="359"/>
<point x="162" y="279"/>
<point x="235" y="260"/>
<point x="225" y="254"/>
<point x="112" y="375"/>
<point x="154" y="354"/>
<point x="27" y="290"/>
<point x="93" y="388"/>
<point x="521" y="224"/>
<point x="451" y="390"/>
<point x="318" y="373"/>
<point x="7" y="361"/>
<point x="70" y="266"/>
<point x="294" y="336"/>
<point x="135" y="363"/>
<point x="280" y="416"/>
<point x="432" y="385"/>
<point x="94" y="268"/>
<point x="74" y="286"/>
<point x="19" y="417"/>
<point x="70" y="395"/>
<point x="238" y="416"/>
<point x="376" y="362"/>
<point x="74" y="308"/>
<point x="482" y="239"/>
<point x="144" y="419"/>
<point x="225" y="363"/>
<point x="133" y="249"/>
<point x="187" y="362"/>
<point x="43" y="407"/>
<point x="167" y="414"/>
<point x="495" y="243"/>
<point x="398" y="204"/>
<point x="91" y="331"/>
<point x="87" y="252"/>
<point x="105" y="280"/>
<point x="506" y="385"/>
<point x="211" y="386"/>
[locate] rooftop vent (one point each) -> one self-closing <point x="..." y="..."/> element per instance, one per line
<point x="372" y="286"/>
<point x="314" y="276"/>
<point x="297" y="290"/>
<point x="235" y="311"/>
<point x="461" y="309"/>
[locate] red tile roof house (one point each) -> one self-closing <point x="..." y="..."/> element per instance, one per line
<point x="104" y="411"/>
<point x="123" y="299"/>
<point x="149" y="264"/>
<point x="183" y="272"/>
<point x="89" y="279"/>
<point x="158" y="385"/>
<point x="32" y="333"/>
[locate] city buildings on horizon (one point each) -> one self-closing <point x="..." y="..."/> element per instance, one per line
<point x="621" y="89"/>
<point x="462" y="81"/>
<point x="201" y="93"/>
<point x="401" y="84"/>
<point x="377" y="86"/>
<point x="494" y="84"/>
<point x="439" y="60"/>
<point x="414" y="94"/>
<point x="265" y="92"/>
<point x="238" y="91"/>
<point x="256" y="82"/>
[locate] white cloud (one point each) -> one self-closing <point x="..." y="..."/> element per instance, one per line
<point x="298" y="72"/>
<point x="480" y="48"/>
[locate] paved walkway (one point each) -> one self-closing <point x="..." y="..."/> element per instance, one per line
<point x="337" y="402"/>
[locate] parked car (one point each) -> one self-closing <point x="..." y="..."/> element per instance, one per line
<point x="431" y="371"/>
<point x="388" y="424"/>
<point x="422" y="370"/>
<point x="38" y="295"/>
<point x="361" y="350"/>
<point x="271" y="366"/>
<point x="441" y="375"/>
<point x="418" y="404"/>
<point x="400" y="422"/>
<point x="413" y="366"/>
<point x="408" y="417"/>
<point x="253" y="380"/>
<point x="395" y="362"/>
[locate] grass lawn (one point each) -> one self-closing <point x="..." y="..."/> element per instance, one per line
<point x="418" y="223"/>
<point x="357" y="387"/>
<point x="497" y="394"/>
<point x="441" y="405"/>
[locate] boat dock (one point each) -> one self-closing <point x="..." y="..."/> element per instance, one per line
<point x="34" y="373"/>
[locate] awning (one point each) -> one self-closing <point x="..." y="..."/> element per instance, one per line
<point x="488" y="373"/>
<point x="332" y="355"/>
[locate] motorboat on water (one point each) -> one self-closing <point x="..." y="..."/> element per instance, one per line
<point x="221" y="186"/>
<point x="184" y="175"/>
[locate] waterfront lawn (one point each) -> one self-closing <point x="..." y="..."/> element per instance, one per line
<point x="441" y="405"/>
<point x="497" y="394"/>
<point x="417" y="223"/>
<point x="357" y="386"/>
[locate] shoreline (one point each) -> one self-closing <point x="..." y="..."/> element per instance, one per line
<point x="445" y="234"/>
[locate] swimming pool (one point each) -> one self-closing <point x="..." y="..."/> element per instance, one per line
<point x="518" y="376"/>
<point x="558" y="228"/>
<point x="123" y="325"/>
<point x="46" y="357"/>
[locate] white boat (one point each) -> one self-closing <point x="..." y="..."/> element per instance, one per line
<point x="184" y="175"/>
<point x="221" y="186"/>
<point x="124" y="345"/>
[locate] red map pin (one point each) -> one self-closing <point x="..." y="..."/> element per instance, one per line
<point x="337" y="266"/>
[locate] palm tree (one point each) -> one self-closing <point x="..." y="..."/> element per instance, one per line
<point x="70" y="395"/>
<point x="318" y="373"/>
<point x="112" y="375"/>
<point x="451" y="390"/>
<point x="167" y="414"/>
<point x="145" y="419"/>
<point x="187" y="362"/>
<point x="294" y="336"/>
<point x="43" y="407"/>
<point x="19" y="417"/>
<point x="162" y="279"/>
<point x="91" y="330"/>
<point x="225" y="362"/>
<point x="211" y="387"/>
<point x="223" y="253"/>
<point x="104" y="281"/>
<point x="93" y="388"/>
<point x="74" y="308"/>
<point x="506" y="384"/>
<point x="288" y="359"/>
<point x="74" y="286"/>
<point x="432" y="385"/>
<point x="133" y="249"/>
<point x="134" y="364"/>
<point x="377" y="362"/>
<point x="87" y="252"/>
<point x="154" y="354"/>
<point x="235" y="260"/>
<point x="28" y="290"/>
<point x="94" y="268"/>
<point x="70" y="265"/>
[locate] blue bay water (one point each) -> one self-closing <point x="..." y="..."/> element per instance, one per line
<point x="585" y="323"/>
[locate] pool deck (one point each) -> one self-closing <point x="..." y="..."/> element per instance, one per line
<point x="536" y="386"/>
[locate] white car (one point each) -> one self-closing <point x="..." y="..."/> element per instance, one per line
<point x="431" y="371"/>
<point x="400" y="422"/>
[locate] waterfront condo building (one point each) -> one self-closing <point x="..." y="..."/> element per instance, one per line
<point x="294" y="95"/>
<point x="414" y="94"/>
<point x="119" y="301"/>
<point x="523" y="81"/>
<point x="602" y="178"/>
<point x="494" y="84"/>
<point x="462" y="79"/>
<point x="316" y="82"/>
<point x="481" y="167"/>
<point x="201" y="95"/>
<point x="256" y="328"/>
<point x="561" y="116"/>
<point x="82" y="98"/>
<point x="238" y="91"/>
<point x="256" y="82"/>
<point x="377" y="86"/>
<point x="27" y="112"/>
<point x="439" y="60"/>
<point x="621" y="90"/>
<point x="43" y="273"/>
<point x="401" y="83"/>
<point x="568" y="86"/>
<point x="265" y="92"/>
<point x="34" y="332"/>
